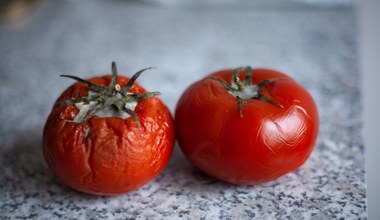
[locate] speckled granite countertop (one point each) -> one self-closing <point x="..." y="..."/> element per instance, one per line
<point x="314" y="44"/>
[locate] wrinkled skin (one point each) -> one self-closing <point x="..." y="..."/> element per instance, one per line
<point x="111" y="155"/>
<point x="266" y="143"/>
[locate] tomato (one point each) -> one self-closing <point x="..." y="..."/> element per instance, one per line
<point x="246" y="126"/>
<point x="107" y="135"/>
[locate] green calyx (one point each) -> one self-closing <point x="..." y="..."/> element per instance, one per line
<point x="245" y="89"/>
<point x="112" y="96"/>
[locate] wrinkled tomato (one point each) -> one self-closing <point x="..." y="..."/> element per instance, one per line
<point x="246" y="126"/>
<point x="108" y="135"/>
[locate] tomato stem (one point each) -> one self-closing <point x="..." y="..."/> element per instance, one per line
<point x="236" y="79"/>
<point x="246" y="89"/>
<point x="126" y="88"/>
<point x="240" y="106"/>
<point x="109" y="96"/>
<point x="112" y="85"/>
<point x="248" y="75"/>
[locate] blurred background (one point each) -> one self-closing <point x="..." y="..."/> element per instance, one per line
<point x="40" y="39"/>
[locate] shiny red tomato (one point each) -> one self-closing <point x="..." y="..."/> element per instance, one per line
<point x="246" y="127"/>
<point x="108" y="135"/>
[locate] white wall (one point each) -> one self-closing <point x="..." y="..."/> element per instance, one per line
<point x="369" y="38"/>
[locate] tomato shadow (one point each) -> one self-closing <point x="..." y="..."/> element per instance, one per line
<point x="24" y="173"/>
<point x="181" y="175"/>
<point x="183" y="178"/>
<point x="21" y="162"/>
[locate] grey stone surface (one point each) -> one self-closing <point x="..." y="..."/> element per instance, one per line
<point x="315" y="45"/>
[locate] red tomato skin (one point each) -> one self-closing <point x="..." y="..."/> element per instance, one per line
<point x="108" y="156"/>
<point x="266" y="143"/>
